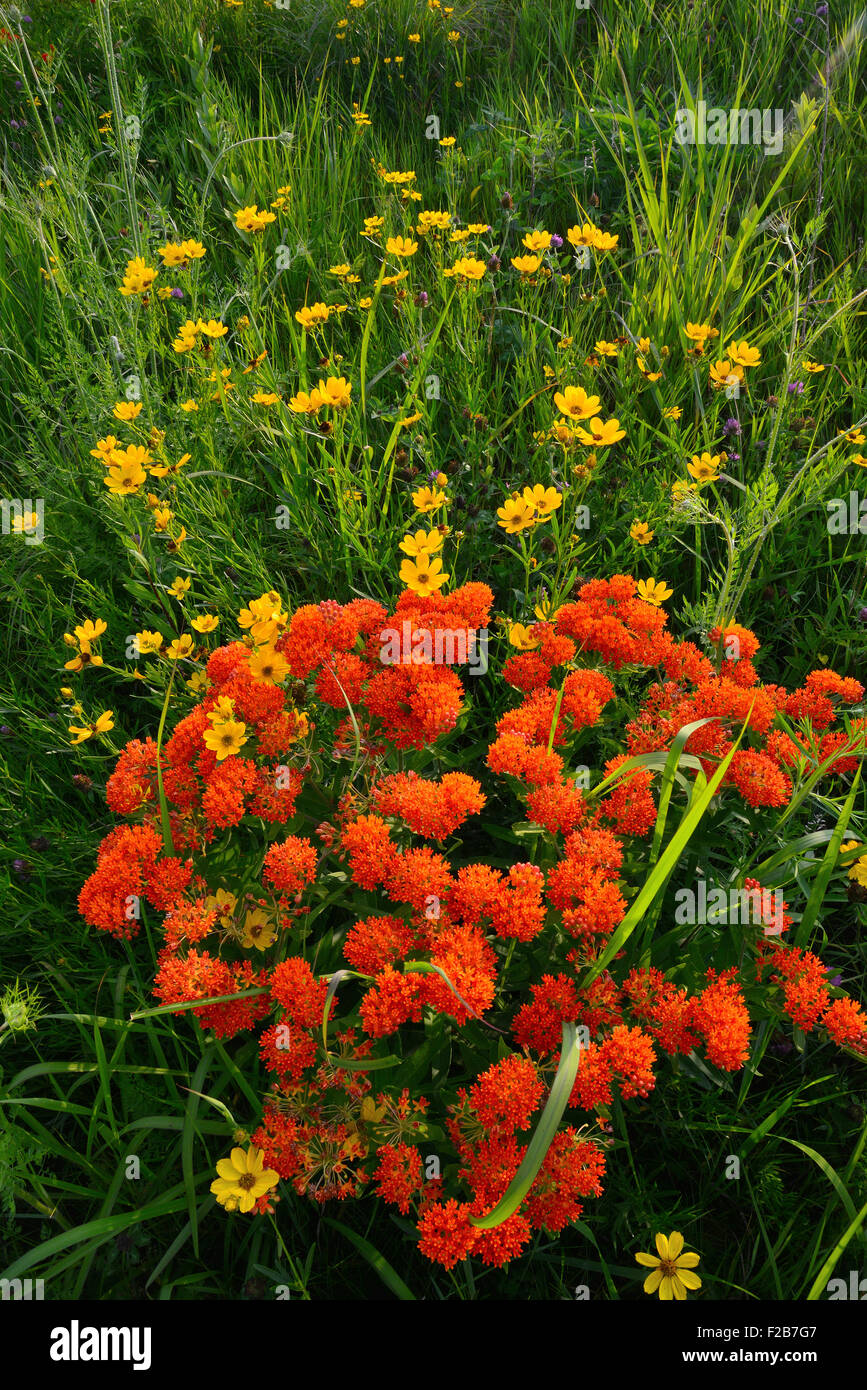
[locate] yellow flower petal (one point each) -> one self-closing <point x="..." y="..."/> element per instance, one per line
<point x="227" y="1170"/>
<point x="679" y="1290"/>
<point x="644" y="1259"/>
<point x="686" y="1277"/>
<point x="665" y="1290"/>
<point x="653" y="1280"/>
<point x="239" y="1160"/>
<point x="661" y="1243"/>
<point x="688" y="1261"/>
<point x="675" y="1245"/>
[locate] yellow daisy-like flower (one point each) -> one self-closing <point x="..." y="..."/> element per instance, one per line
<point x="252" y="220"/>
<point x="401" y="246"/>
<point x="545" y="613"/>
<point x="423" y="575"/>
<point x="148" y="642"/>
<point x="180" y="647"/>
<point x="467" y="268"/>
<point x="226" y="739"/>
<point x="336" y="392"/>
<point x="127" y="410"/>
<point x="545" y="500"/>
<point x="100" y="725"/>
<point x="601" y="433"/>
<point x="536" y="241"/>
<point x="522" y="637"/>
<point x="242" y="1179"/>
<point x="654" y="591"/>
<point x="138" y="278"/>
<point x="225" y="903"/>
<point x="516" y="514"/>
<point x="858" y="871"/>
<point x="812" y="367"/>
<point x="854" y="436"/>
<point x="106" y="449"/>
<point x="574" y="402"/>
<point x="258" y="930"/>
<point x="28" y="521"/>
<point x="527" y="265"/>
<point x="125" y="479"/>
<point x="700" y="332"/>
<point x="312" y="315"/>
<point x="671" y="1271"/>
<point x="428" y="499"/>
<point x="265" y="618"/>
<point x="269" y="665"/>
<point x="743" y="354"/>
<point x="422" y="543"/>
<point x="705" y="467"/>
<point x="302" y="404"/>
<point x="725" y="373"/>
<point x="673" y="412"/>
<point x="641" y="532"/>
<point x="264" y="398"/>
<point x="180" y="588"/>
<point x="206" y="623"/>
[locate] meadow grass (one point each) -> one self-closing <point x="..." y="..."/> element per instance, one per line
<point x="560" y="116"/>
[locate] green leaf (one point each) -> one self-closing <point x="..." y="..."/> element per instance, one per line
<point x="389" y="1276"/>
<point x="542" y="1135"/>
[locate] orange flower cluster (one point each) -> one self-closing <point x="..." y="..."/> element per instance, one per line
<point x="264" y="902"/>
<point x="483" y="1125"/>
<point x="807" y="996"/>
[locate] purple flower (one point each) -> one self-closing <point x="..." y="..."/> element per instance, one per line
<point x="177" y="294"/>
<point x="835" y="979"/>
<point x="798" y="23"/>
<point x="796" y="388"/>
<point x="821" y="11"/>
<point x="494" y="263"/>
<point x="732" y="426"/>
<point x="862" y="614"/>
<point x="421" y="300"/>
<point x="735" y="457"/>
<point x="556" y="242"/>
